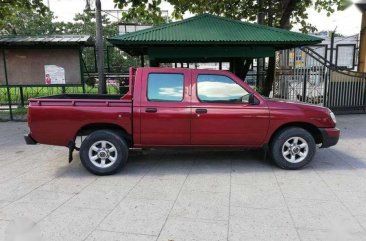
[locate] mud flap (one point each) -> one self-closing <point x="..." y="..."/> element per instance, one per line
<point x="72" y="147"/>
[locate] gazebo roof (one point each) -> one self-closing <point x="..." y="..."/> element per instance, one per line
<point x="209" y="37"/>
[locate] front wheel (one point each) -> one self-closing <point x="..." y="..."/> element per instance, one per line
<point x="103" y="152"/>
<point x="293" y="148"/>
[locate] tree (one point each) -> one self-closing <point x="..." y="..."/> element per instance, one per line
<point x="141" y="11"/>
<point x="84" y="23"/>
<point x="28" y="22"/>
<point x="12" y="12"/>
<point x="277" y="13"/>
<point x="9" y="7"/>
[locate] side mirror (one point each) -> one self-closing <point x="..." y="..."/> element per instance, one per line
<point x="252" y="100"/>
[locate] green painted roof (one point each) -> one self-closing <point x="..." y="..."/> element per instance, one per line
<point x="213" y="30"/>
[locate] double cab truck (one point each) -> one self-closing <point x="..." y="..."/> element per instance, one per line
<point x="180" y="108"/>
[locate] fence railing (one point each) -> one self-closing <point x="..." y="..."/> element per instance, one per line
<point x="13" y="105"/>
<point x="318" y="81"/>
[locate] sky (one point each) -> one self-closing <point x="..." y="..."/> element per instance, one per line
<point x="346" y="22"/>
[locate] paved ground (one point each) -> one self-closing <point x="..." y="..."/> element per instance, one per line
<point x="200" y="195"/>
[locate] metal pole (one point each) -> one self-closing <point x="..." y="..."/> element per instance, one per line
<point x="7" y="85"/>
<point x="327" y="77"/>
<point x="260" y="61"/>
<point x="304" y="87"/>
<point x="331" y="48"/>
<point x="329" y="69"/>
<point x="99" y="47"/>
<point x="81" y="68"/>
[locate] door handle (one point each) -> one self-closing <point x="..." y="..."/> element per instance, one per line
<point x="201" y="111"/>
<point x="151" y="110"/>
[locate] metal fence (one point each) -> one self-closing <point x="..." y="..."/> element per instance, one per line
<point x="14" y="98"/>
<point x="346" y="91"/>
<point x="316" y="80"/>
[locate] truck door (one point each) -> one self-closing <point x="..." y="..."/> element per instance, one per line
<point x="165" y="107"/>
<point x="221" y="114"/>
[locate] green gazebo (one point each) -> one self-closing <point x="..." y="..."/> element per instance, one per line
<point x="209" y="38"/>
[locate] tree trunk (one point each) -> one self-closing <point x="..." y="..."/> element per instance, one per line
<point x="248" y="63"/>
<point x="289" y="7"/>
<point x="269" y="76"/>
<point x="99" y="48"/>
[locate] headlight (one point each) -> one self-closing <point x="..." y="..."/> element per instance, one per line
<point x="333" y="117"/>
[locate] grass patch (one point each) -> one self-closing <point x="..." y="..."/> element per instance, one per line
<point x="34" y="92"/>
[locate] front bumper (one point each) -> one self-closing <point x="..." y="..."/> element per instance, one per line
<point x="29" y="140"/>
<point x="330" y="136"/>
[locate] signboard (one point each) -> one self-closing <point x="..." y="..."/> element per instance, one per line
<point x="299" y="56"/>
<point x="27" y="66"/>
<point x="129" y="28"/>
<point x="54" y="74"/>
<point x="345" y="54"/>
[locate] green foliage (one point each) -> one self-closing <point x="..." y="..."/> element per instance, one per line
<point x="84" y="23"/>
<point x="274" y="12"/>
<point x="141" y="11"/>
<point x="9" y="7"/>
<point x="259" y="89"/>
<point x="27" y="22"/>
<point x="24" y="16"/>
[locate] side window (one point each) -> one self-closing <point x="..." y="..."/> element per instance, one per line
<point x="165" y="87"/>
<point x="219" y="88"/>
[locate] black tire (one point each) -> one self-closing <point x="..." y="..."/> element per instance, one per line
<point x="278" y="142"/>
<point x="121" y="152"/>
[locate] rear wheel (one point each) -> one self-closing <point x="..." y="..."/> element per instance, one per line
<point x="293" y="148"/>
<point x="103" y="152"/>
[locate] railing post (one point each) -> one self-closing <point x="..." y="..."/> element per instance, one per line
<point x="7" y="85"/>
<point x="331" y="48"/>
<point x="304" y="86"/>
<point x="325" y="94"/>
<point x="81" y="69"/>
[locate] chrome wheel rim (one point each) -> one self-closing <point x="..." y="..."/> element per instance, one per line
<point x="103" y="154"/>
<point x="295" y="149"/>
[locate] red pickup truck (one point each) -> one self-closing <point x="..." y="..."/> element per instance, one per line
<point x="187" y="108"/>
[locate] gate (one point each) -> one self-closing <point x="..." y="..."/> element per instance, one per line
<point x="305" y="75"/>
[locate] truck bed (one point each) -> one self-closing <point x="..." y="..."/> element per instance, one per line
<point x="63" y="116"/>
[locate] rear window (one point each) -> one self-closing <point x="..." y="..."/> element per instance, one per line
<point x="165" y="87"/>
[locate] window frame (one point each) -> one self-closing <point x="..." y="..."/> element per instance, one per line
<point x="154" y="100"/>
<point x="218" y="101"/>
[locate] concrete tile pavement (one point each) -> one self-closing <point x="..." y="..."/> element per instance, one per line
<point x="186" y="195"/>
